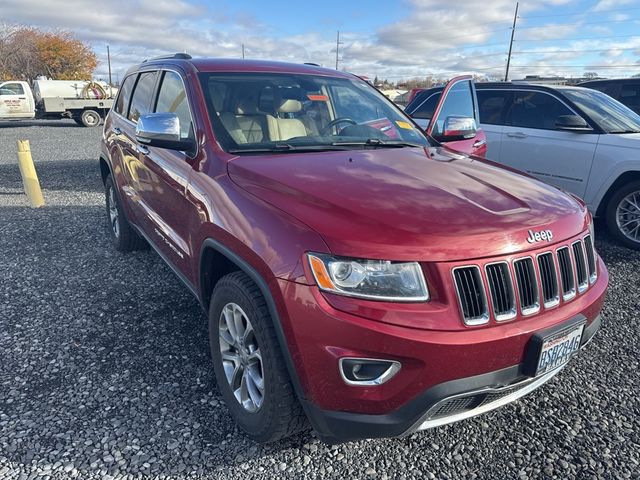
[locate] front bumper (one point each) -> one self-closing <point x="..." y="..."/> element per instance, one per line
<point x="441" y="404"/>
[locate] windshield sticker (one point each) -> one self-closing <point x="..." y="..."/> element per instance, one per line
<point x="317" y="98"/>
<point x="405" y="125"/>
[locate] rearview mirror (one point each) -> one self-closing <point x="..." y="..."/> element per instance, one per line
<point x="573" y="123"/>
<point x="458" y="128"/>
<point x="162" y="130"/>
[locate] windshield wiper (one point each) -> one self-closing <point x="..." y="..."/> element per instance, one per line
<point x="283" y="147"/>
<point x="379" y="143"/>
<point x="615" y="132"/>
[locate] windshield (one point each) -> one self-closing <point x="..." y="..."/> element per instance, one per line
<point x="257" y="112"/>
<point x="609" y="114"/>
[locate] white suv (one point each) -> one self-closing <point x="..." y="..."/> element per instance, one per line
<point x="577" y="139"/>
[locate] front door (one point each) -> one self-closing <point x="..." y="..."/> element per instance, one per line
<point x="163" y="190"/>
<point x="532" y="143"/>
<point x="458" y="99"/>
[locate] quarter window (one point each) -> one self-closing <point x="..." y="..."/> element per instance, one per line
<point x="141" y="99"/>
<point x="124" y="94"/>
<point x="172" y="98"/>
<point x="536" y="110"/>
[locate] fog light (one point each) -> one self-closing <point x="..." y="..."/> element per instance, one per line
<point x="367" y="371"/>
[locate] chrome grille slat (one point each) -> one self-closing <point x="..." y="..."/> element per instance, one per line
<point x="581" y="266"/>
<point x="591" y="258"/>
<point x="566" y="273"/>
<point x="471" y="295"/>
<point x="527" y="285"/>
<point x="549" y="279"/>
<point x="501" y="290"/>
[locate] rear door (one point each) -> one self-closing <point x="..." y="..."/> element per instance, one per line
<point x="532" y="143"/>
<point x="14" y="101"/>
<point x="458" y="99"/>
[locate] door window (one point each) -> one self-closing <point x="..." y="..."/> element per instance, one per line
<point x="459" y="103"/>
<point x="124" y="94"/>
<point x="141" y="99"/>
<point x="493" y="104"/>
<point x="172" y="98"/>
<point x="536" y="110"/>
<point x="12" y="89"/>
<point x="630" y="96"/>
<point x="427" y="107"/>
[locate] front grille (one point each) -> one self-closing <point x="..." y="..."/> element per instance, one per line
<point x="552" y="276"/>
<point x="581" y="266"/>
<point x="501" y="289"/>
<point x="566" y="273"/>
<point x="473" y="301"/>
<point x="527" y="285"/>
<point x="549" y="279"/>
<point x="591" y="258"/>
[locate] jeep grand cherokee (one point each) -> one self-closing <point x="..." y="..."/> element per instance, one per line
<point x="355" y="272"/>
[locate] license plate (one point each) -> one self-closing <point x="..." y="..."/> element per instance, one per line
<point x="558" y="348"/>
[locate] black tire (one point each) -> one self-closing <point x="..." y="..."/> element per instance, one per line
<point x="280" y="413"/>
<point x="611" y="214"/>
<point x="122" y="234"/>
<point x="90" y="118"/>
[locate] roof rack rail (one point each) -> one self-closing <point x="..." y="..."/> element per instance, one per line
<point x="312" y="64"/>
<point x="179" y="56"/>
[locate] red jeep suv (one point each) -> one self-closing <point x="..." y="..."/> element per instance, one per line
<point x="357" y="275"/>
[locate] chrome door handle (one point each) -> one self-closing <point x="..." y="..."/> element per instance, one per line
<point x="517" y="135"/>
<point x="479" y="143"/>
<point x="142" y="149"/>
<point x="117" y="131"/>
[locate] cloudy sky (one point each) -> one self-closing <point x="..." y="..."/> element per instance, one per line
<point x="391" y="39"/>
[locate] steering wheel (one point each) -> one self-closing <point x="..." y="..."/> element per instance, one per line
<point x="335" y="122"/>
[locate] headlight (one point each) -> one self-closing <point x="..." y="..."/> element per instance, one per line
<point x="372" y="279"/>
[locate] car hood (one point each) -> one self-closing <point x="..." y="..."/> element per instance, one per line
<point x="629" y="140"/>
<point x="410" y="203"/>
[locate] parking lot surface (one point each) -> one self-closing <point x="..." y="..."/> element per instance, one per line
<point x="105" y="369"/>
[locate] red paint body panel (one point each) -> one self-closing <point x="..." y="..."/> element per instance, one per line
<point x="323" y="333"/>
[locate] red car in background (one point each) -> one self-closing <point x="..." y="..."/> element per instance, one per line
<point x="355" y="274"/>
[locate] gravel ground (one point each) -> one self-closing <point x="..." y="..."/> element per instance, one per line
<point x="105" y="370"/>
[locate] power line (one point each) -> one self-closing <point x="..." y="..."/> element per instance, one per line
<point x="578" y="24"/>
<point x="553" y="39"/>
<point x="582" y="13"/>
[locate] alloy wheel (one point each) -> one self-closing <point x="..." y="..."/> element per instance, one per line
<point x="628" y="216"/>
<point x="241" y="357"/>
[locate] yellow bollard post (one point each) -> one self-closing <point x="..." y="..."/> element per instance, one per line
<point x="29" y="175"/>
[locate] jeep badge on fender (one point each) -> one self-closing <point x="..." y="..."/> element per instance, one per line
<point x="534" y="237"/>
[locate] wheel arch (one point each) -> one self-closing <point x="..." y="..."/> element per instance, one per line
<point x="622" y="179"/>
<point x="105" y="168"/>
<point x="213" y="251"/>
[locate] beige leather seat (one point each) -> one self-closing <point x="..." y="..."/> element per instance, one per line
<point x="245" y="125"/>
<point x="286" y="128"/>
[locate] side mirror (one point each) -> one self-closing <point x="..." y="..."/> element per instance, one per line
<point x="458" y="128"/>
<point x="162" y="130"/>
<point x="574" y="123"/>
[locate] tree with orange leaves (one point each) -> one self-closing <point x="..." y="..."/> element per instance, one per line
<point x="27" y="52"/>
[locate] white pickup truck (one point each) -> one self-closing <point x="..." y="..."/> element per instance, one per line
<point x="55" y="99"/>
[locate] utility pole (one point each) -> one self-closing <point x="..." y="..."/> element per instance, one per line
<point x="243" y="50"/>
<point x="338" y="43"/>
<point x="513" y="31"/>
<point x="109" y="63"/>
